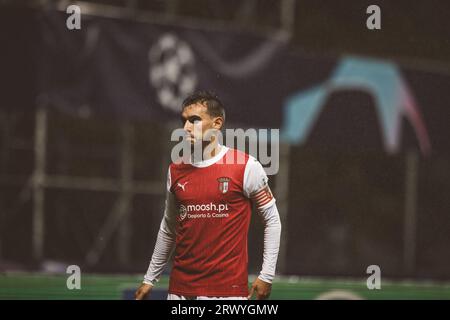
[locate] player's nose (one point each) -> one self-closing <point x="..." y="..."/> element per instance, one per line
<point x="188" y="126"/>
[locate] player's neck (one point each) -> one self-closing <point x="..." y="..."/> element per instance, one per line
<point x="215" y="151"/>
<point x="211" y="150"/>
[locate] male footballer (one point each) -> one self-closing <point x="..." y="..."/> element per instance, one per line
<point x="207" y="216"/>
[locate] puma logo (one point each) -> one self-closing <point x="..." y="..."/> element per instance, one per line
<point x="182" y="186"/>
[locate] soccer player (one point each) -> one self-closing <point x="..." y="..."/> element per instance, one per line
<point x="207" y="216"/>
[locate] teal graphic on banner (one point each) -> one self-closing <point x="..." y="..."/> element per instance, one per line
<point x="393" y="100"/>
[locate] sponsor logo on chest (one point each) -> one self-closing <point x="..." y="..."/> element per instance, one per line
<point x="203" y="210"/>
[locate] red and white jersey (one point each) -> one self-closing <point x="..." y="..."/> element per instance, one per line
<point x="208" y="211"/>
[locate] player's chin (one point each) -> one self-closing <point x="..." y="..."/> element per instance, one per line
<point x="191" y="140"/>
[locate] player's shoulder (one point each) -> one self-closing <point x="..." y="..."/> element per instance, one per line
<point x="250" y="161"/>
<point x="178" y="162"/>
<point x="235" y="157"/>
<point x="178" y="167"/>
<point x="239" y="153"/>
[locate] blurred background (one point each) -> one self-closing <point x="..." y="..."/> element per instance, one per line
<point x="86" y="117"/>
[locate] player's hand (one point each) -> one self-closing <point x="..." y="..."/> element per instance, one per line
<point x="143" y="291"/>
<point x="262" y="289"/>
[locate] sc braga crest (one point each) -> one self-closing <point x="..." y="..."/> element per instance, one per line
<point x="223" y="184"/>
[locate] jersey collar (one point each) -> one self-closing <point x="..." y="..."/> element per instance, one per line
<point x="211" y="161"/>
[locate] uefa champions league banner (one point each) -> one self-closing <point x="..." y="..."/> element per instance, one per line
<point x="143" y="71"/>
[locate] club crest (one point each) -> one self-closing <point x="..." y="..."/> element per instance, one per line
<point x="223" y="184"/>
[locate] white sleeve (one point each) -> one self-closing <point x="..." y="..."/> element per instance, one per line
<point x="165" y="242"/>
<point x="256" y="187"/>
<point x="256" y="184"/>
<point x="272" y="234"/>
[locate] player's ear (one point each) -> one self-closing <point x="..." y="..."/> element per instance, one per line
<point x="218" y="123"/>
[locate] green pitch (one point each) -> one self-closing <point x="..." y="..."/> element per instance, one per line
<point x="106" y="287"/>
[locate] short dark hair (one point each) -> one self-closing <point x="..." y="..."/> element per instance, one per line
<point x="209" y="99"/>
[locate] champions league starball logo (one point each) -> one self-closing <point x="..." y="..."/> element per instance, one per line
<point x="172" y="70"/>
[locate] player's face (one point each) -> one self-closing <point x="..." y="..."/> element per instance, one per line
<point x="197" y="121"/>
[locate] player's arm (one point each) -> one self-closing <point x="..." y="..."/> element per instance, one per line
<point x="257" y="188"/>
<point x="165" y="244"/>
<point x="272" y="231"/>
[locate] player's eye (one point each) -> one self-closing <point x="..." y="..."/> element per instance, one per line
<point x="194" y="118"/>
